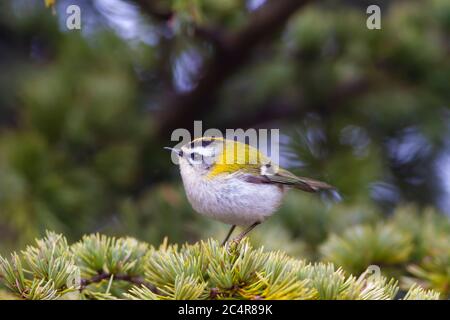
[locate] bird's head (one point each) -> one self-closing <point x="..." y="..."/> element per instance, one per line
<point x="211" y="156"/>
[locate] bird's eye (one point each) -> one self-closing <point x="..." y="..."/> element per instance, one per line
<point x="197" y="157"/>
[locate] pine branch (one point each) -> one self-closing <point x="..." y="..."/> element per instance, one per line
<point x="136" y="280"/>
<point x="205" y="270"/>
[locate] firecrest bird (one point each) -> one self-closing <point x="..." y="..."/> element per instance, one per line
<point x="235" y="183"/>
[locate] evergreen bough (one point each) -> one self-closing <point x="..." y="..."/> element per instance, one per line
<point x="412" y="245"/>
<point x="102" y="267"/>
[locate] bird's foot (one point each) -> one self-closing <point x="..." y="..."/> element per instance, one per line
<point x="232" y="245"/>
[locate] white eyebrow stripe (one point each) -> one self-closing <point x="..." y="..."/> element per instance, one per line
<point x="206" y="152"/>
<point x="268" y="169"/>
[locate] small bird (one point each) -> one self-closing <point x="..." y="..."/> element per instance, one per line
<point x="235" y="183"/>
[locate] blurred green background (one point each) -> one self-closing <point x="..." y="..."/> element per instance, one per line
<point x="84" y="115"/>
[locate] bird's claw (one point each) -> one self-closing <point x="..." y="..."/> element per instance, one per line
<point x="232" y="245"/>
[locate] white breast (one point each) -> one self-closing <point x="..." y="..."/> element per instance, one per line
<point x="230" y="200"/>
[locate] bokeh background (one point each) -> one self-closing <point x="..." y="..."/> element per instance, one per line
<point x="84" y="115"/>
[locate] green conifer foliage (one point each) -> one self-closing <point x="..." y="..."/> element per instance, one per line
<point x="101" y="267"/>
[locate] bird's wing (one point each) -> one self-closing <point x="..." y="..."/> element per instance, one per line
<point x="284" y="177"/>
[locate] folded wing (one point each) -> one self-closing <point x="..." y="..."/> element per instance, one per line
<point x="284" y="177"/>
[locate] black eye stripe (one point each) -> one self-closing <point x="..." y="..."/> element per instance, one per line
<point x="206" y="143"/>
<point x="196" y="156"/>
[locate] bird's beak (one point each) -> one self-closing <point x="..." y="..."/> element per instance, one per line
<point x="178" y="152"/>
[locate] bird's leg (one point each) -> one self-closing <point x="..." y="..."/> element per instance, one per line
<point x="245" y="232"/>
<point x="229" y="234"/>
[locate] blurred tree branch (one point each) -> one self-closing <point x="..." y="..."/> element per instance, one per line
<point x="281" y="108"/>
<point x="155" y="11"/>
<point x="231" y="52"/>
<point x="230" y="55"/>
